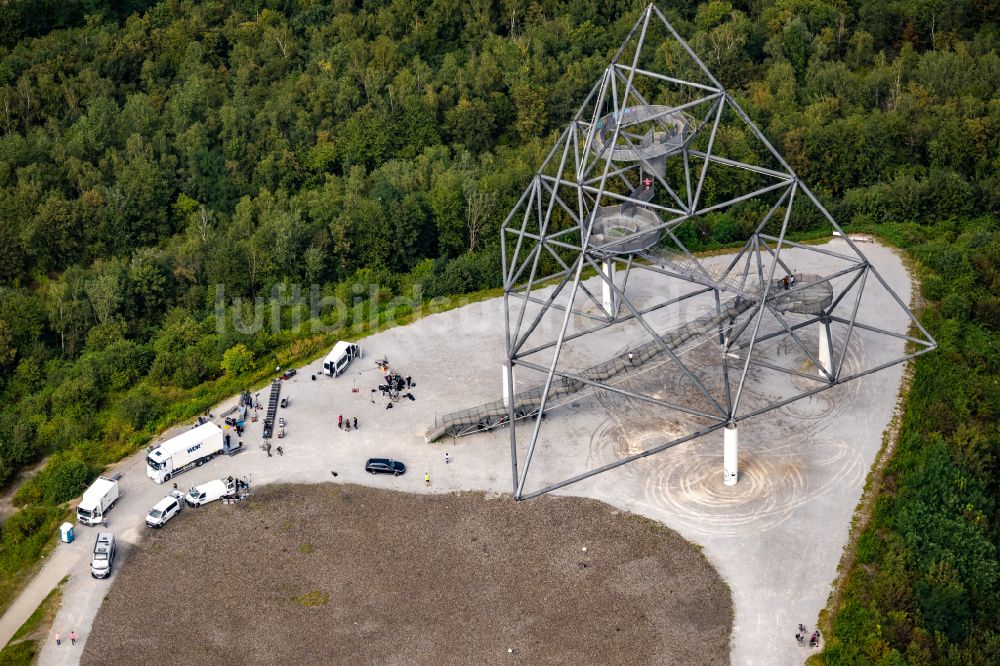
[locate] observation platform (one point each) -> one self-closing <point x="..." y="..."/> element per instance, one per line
<point x="613" y="224"/>
<point x="666" y="131"/>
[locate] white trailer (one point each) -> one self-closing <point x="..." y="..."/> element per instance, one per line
<point x="97" y="501"/>
<point x="191" y="449"/>
<point x="343" y="353"/>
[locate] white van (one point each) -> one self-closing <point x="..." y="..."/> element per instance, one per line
<point x="343" y="353"/>
<point x="214" y="490"/>
<point x="165" y="509"/>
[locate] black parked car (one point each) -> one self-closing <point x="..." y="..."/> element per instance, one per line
<point x="384" y="466"/>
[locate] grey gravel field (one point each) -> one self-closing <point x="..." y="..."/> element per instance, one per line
<point x="344" y="574"/>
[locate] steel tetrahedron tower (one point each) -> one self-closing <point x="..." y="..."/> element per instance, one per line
<point x="657" y="148"/>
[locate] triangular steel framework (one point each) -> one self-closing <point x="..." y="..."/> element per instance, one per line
<point x="638" y="161"/>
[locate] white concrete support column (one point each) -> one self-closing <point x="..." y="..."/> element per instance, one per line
<point x="730" y="453"/>
<point x="824" y="347"/>
<point x="608" y="268"/>
<point x="506" y="387"/>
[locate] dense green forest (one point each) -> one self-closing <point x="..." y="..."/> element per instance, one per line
<point x="153" y="151"/>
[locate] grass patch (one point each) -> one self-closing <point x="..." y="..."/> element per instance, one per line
<point x="20" y="562"/>
<point x="307" y="548"/>
<point x="311" y="599"/>
<point x="22" y="653"/>
<point x="653" y="526"/>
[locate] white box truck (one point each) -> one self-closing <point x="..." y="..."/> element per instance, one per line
<point x="190" y="449"/>
<point x="343" y="353"/>
<point x="97" y="501"/>
<point x="213" y="490"/>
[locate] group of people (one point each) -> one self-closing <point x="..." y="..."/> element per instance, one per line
<point x="72" y="638"/>
<point x="394" y="383"/>
<point x="813" y="638"/>
<point x="345" y="424"/>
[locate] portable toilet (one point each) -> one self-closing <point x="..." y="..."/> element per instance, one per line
<point x="66" y="532"/>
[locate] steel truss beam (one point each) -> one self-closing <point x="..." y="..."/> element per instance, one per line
<point x="594" y="176"/>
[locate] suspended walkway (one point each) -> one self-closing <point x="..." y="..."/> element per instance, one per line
<point x="527" y="403"/>
<point x="805" y="294"/>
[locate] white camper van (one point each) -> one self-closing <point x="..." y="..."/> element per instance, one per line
<point x="104" y="555"/>
<point x="97" y="501"/>
<point x="190" y="449"/>
<point x="337" y="361"/>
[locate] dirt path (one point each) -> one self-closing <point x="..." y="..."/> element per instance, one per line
<point x="60" y="564"/>
<point x="7" y="497"/>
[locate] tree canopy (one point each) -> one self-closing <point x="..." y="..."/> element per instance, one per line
<point x="165" y="163"/>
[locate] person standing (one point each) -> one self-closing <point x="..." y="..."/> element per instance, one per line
<point x="58" y="639"/>
<point x="355" y="422"/>
<point x="447" y="459"/>
<point x="72" y="637"/>
<point x="427" y="478"/>
<point x="408" y="381"/>
<point x="340" y="421"/>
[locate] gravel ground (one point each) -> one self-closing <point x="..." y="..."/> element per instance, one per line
<point x="346" y="574"/>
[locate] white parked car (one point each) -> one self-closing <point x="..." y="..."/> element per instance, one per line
<point x="165" y="509"/>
